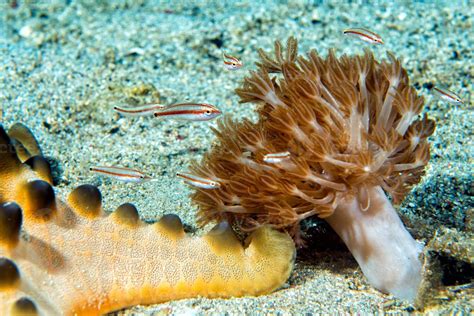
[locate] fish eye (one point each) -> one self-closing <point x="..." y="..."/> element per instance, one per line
<point x="208" y="112"/>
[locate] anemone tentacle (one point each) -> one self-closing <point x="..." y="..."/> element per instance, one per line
<point x="351" y="129"/>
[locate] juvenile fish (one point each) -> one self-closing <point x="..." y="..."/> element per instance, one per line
<point x="143" y="110"/>
<point x="448" y="96"/>
<point x="365" y="35"/>
<point x="231" y="62"/>
<point x="189" y="112"/>
<point x="122" y="174"/>
<point x="199" y="182"/>
<point x="277" y="157"/>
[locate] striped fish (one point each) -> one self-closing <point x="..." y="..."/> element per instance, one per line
<point x="365" y="35"/>
<point x="231" y="62"/>
<point x="446" y="95"/>
<point x="143" y="110"/>
<point x="122" y="174"/>
<point x="198" y="182"/>
<point x="276" y="157"/>
<point x="189" y="112"/>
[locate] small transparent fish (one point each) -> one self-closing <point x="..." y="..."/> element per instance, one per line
<point x="277" y="157"/>
<point x="122" y="174"/>
<point x="365" y="35"/>
<point x="143" y="110"/>
<point x="197" y="181"/>
<point x="231" y="62"/>
<point x="189" y="112"/>
<point x="446" y="95"/>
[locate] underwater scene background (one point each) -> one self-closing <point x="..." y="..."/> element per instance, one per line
<point x="64" y="65"/>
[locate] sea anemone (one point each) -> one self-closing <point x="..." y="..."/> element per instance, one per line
<point x="352" y="131"/>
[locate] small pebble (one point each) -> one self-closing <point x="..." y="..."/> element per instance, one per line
<point x="26" y="31"/>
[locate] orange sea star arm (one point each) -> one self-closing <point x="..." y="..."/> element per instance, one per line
<point x="71" y="258"/>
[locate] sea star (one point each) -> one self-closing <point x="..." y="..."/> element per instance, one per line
<point x="70" y="257"/>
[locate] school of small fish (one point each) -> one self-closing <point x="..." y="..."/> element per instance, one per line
<point x="205" y="112"/>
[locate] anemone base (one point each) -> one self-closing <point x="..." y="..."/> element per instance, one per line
<point x="386" y="252"/>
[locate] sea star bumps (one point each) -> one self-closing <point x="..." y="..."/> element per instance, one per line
<point x="69" y="257"/>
